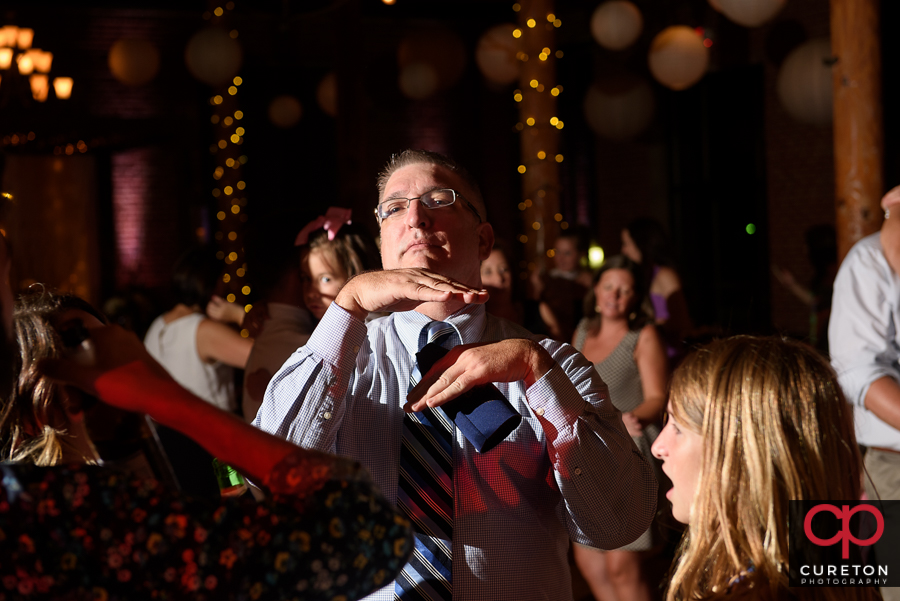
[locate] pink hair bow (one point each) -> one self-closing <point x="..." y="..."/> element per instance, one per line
<point x="332" y="221"/>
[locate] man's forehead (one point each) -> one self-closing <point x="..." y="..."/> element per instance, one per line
<point x="420" y="177"/>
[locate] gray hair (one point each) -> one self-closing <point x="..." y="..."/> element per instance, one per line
<point x="412" y="156"/>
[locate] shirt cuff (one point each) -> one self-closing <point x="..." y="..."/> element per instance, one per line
<point x="554" y="398"/>
<point x="338" y="338"/>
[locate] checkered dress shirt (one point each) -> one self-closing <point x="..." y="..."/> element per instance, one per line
<point x="569" y="471"/>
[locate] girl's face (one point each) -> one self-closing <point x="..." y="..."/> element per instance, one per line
<point x="681" y="451"/>
<point x="321" y="282"/>
<point x="614" y="293"/>
<point x="495" y="272"/>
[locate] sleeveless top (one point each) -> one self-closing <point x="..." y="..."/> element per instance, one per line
<point x="618" y="370"/>
<point x="174" y="345"/>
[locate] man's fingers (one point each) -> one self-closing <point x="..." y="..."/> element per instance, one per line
<point x="443" y="282"/>
<point x="439" y="386"/>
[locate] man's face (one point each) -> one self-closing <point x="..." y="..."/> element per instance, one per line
<point x="447" y="240"/>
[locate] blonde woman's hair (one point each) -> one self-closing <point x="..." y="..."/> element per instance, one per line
<point x="775" y="428"/>
<point x="32" y="416"/>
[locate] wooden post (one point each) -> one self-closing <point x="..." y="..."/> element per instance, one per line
<point x="540" y="129"/>
<point x="858" y="137"/>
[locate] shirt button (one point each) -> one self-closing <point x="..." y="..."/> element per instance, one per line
<point x="577" y="471"/>
<point x="355" y="349"/>
<point x="539" y="411"/>
<point x="327" y="415"/>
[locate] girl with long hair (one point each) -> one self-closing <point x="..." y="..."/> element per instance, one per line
<point x="752" y="424"/>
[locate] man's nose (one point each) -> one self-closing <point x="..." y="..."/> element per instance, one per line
<point x="417" y="216"/>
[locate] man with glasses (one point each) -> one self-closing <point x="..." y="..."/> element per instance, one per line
<point x="490" y="525"/>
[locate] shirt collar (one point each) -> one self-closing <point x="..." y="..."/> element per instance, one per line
<point x="469" y="324"/>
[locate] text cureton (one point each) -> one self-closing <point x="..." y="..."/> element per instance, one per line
<point x="842" y="570"/>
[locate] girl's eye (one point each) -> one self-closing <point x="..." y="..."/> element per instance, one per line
<point x="668" y="421"/>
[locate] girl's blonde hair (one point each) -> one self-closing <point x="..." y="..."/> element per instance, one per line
<point x="775" y="428"/>
<point x="33" y="418"/>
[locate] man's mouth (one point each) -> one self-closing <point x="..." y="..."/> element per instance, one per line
<point x="417" y="245"/>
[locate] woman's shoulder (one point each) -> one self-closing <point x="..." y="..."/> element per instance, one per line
<point x="646" y="334"/>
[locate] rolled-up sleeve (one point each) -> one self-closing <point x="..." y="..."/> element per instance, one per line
<point x="862" y="332"/>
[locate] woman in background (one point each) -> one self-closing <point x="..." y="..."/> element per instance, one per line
<point x="200" y="354"/>
<point x="622" y="343"/>
<point x="753" y="424"/>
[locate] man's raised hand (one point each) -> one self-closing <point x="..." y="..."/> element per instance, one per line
<point x="403" y="290"/>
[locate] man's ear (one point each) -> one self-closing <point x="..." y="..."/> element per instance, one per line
<point x="485" y="240"/>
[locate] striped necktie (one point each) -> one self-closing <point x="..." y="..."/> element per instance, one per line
<point x="425" y="491"/>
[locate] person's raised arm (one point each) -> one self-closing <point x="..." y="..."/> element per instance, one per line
<point x="679" y="322"/>
<point x="219" y="342"/>
<point x="126" y="376"/>
<point x="221" y="310"/>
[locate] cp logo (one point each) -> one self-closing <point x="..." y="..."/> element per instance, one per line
<point x="844" y="535"/>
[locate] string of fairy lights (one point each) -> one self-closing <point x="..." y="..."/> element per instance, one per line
<point x="539" y="128"/>
<point x="229" y="188"/>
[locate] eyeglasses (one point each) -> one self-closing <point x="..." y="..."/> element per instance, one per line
<point x="434" y="199"/>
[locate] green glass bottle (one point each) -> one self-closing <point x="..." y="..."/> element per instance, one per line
<point x="231" y="482"/>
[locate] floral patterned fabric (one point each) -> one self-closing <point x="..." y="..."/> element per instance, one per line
<point x="86" y="532"/>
